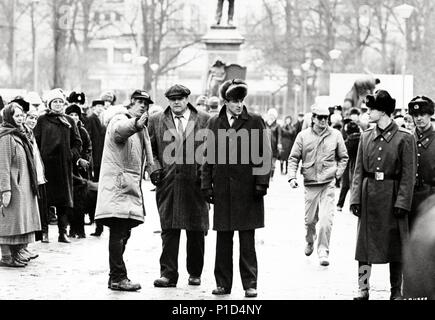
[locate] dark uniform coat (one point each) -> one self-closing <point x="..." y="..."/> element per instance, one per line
<point x="97" y="133"/>
<point x="236" y="206"/>
<point x="179" y="200"/>
<point x="60" y="146"/>
<point x="393" y="153"/>
<point x="425" y="185"/>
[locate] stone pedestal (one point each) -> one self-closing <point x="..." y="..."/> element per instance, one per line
<point x="223" y="43"/>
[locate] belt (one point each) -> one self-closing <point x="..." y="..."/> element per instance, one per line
<point x="380" y="176"/>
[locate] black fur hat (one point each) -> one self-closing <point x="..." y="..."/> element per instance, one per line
<point x="74" y="109"/>
<point x="421" y="105"/>
<point x="235" y="89"/>
<point x="381" y="101"/>
<point x="78" y="98"/>
<point x="23" y="103"/>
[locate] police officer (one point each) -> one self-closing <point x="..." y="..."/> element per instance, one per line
<point x="422" y="109"/>
<point x="381" y="195"/>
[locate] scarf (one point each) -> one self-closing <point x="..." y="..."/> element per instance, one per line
<point x="10" y="127"/>
<point x="61" y="117"/>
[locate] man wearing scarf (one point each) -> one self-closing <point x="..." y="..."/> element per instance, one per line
<point x="19" y="214"/>
<point x="59" y="142"/>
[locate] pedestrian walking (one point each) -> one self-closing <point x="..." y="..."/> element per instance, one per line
<point x="120" y="206"/>
<point x="59" y="142"/>
<point x="288" y="136"/>
<point x="178" y="188"/>
<point x="236" y="183"/>
<point x="19" y="218"/>
<point x="324" y="158"/>
<point x="381" y="194"/>
<point x="275" y="137"/>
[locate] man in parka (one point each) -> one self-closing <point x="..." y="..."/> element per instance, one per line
<point x="127" y="151"/>
<point x="324" y="158"/>
<point x="236" y="182"/>
<point x="177" y="181"/>
<point x="381" y="194"/>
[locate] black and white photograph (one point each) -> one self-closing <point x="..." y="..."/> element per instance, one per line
<point x="207" y="159"/>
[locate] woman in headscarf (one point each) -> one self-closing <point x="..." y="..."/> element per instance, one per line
<point x="59" y="142"/>
<point x="19" y="214"/>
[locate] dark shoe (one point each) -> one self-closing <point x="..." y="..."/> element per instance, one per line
<point x="362" y="295"/>
<point x="164" y="282"/>
<point x="194" y="281"/>
<point x="81" y="236"/>
<point x="97" y="233"/>
<point x="309" y="248"/>
<point x="220" y="291"/>
<point x="251" y="293"/>
<point x="124" y="285"/>
<point x="45" y="238"/>
<point x="72" y="234"/>
<point x="63" y="238"/>
<point x="396" y="295"/>
<point x="28" y="254"/>
<point x="11" y="263"/>
<point x="324" y="261"/>
<point x="20" y="256"/>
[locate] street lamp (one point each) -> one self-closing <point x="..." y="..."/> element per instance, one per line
<point x="305" y="67"/>
<point x="154" y="68"/>
<point x="404" y="12"/>
<point x="334" y="54"/>
<point x="296" y="89"/>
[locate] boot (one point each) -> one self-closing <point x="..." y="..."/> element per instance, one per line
<point x="364" y="272"/>
<point x="98" y="229"/>
<point x="62" y="223"/>
<point x="396" y="281"/>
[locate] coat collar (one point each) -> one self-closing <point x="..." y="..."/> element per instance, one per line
<point x="169" y="121"/>
<point x="426" y="138"/>
<point x="388" y="133"/>
<point x="238" y="123"/>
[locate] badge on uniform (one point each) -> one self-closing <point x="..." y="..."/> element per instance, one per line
<point x="379" y="176"/>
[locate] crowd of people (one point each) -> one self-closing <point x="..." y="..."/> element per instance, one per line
<point x="66" y="157"/>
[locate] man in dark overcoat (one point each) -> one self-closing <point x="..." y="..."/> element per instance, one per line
<point x="235" y="177"/>
<point x="176" y="175"/>
<point x="381" y="195"/>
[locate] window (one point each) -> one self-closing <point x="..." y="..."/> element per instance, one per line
<point x="98" y="55"/>
<point x="118" y="54"/>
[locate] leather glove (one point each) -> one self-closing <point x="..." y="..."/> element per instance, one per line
<point x="356" y="210"/>
<point x="208" y="195"/>
<point x="293" y="183"/>
<point x="6" y="198"/>
<point x="260" y="191"/>
<point x="84" y="164"/>
<point x="156" y="177"/>
<point x="400" y="213"/>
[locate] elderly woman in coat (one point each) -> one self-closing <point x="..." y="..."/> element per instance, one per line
<point x="19" y="217"/>
<point x="127" y="151"/>
<point x="381" y="194"/>
<point x="60" y="145"/>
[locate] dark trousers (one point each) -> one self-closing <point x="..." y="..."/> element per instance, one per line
<point x="230" y="9"/>
<point x="364" y="273"/>
<point x="223" y="270"/>
<point x="284" y="166"/>
<point x="345" y="187"/>
<point x="63" y="216"/>
<point x="119" y="234"/>
<point x="170" y="247"/>
<point x="43" y="212"/>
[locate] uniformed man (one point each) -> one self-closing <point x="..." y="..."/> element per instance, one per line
<point x="381" y="194"/>
<point x="422" y="109"/>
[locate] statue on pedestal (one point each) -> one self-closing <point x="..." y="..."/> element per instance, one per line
<point x="220" y="5"/>
<point x="216" y="77"/>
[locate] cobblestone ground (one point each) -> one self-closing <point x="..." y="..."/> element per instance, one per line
<point x="80" y="270"/>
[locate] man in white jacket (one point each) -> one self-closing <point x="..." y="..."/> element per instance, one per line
<point x="324" y="158"/>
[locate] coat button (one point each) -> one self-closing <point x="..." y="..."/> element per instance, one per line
<point x="377" y="169"/>
<point x="380" y="149"/>
<point x="382" y="139"/>
<point x="379" y="159"/>
<point x="419" y="145"/>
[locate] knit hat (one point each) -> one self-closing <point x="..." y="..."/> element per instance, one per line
<point x="74" y="109"/>
<point x="108" y="96"/>
<point x="54" y="94"/>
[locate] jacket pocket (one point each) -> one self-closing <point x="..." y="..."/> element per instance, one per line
<point x="130" y="183"/>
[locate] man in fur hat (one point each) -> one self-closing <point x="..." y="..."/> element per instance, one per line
<point x="178" y="192"/>
<point x="422" y="109"/>
<point x="381" y="194"/>
<point x="236" y="183"/>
